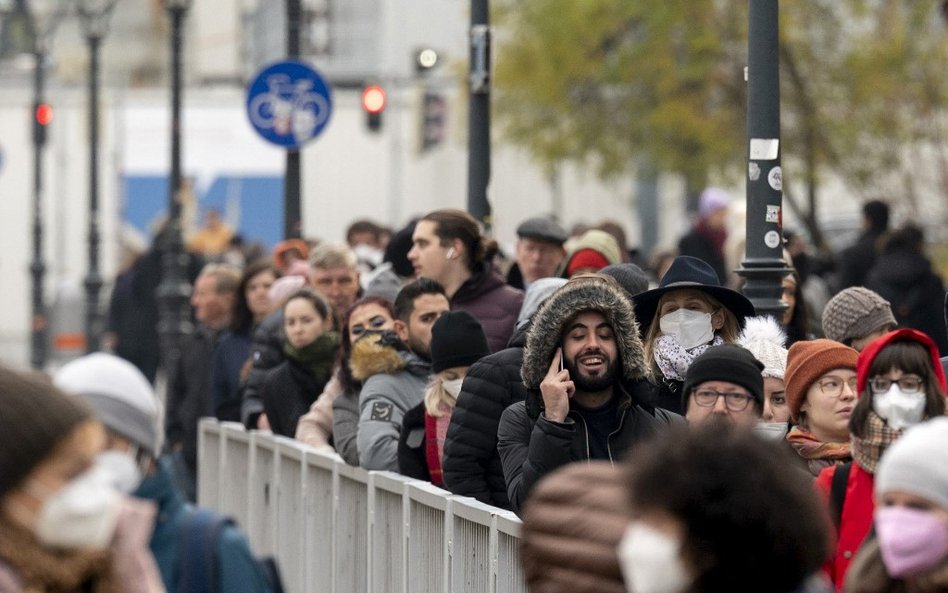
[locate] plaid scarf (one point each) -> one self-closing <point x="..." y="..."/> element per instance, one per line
<point x="868" y="450"/>
<point x="817" y="454"/>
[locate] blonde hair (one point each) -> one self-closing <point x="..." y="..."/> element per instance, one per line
<point x="729" y="332"/>
<point x="435" y="395"/>
<point x="333" y="255"/>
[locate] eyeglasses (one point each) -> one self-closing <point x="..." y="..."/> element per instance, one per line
<point x="374" y="323"/>
<point x="733" y="400"/>
<point x="833" y="385"/>
<point x="908" y="384"/>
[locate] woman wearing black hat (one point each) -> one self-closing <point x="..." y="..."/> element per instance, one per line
<point x="688" y="312"/>
<point x="457" y="342"/>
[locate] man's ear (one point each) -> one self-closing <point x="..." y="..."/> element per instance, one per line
<point x="458" y="246"/>
<point x="401" y="329"/>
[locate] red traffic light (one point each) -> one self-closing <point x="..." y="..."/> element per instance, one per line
<point x="373" y="99"/>
<point x="44" y="114"/>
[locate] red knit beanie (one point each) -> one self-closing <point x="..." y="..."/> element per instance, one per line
<point x="586" y="258"/>
<point x="808" y="361"/>
<point x="872" y="350"/>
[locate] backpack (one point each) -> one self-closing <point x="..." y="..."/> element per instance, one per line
<point x="198" y="569"/>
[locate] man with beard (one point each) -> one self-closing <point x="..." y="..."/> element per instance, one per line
<point x="585" y="372"/>
<point x="396" y="372"/>
<point x="724" y="385"/>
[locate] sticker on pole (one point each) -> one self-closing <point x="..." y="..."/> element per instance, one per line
<point x="289" y="103"/>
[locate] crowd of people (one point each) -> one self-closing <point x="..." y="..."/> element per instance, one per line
<point x="718" y="450"/>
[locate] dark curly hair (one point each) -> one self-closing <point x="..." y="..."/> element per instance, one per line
<point x="748" y="518"/>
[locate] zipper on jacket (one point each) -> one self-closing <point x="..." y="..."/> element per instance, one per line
<point x="611" y="434"/>
<point x="586" y="434"/>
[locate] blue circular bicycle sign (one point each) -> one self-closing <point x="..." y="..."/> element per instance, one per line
<point x="289" y="103"/>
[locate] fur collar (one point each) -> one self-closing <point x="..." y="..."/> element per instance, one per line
<point x="376" y="354"/>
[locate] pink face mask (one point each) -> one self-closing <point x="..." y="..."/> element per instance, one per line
<point x="911" y="540"/>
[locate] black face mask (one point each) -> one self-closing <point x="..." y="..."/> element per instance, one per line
<point x="386" y="337"/>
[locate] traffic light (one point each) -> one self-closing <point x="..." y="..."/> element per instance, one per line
<point x="434" y="112"/>
<point x="373" y="102"/>
<point x="42" y="117"/>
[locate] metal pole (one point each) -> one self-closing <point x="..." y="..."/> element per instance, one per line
<point x="93" y="281"/>
<point x="292" y="184"/>
<point x="763" y="267"/>
<point x="38" y="345"/>
<point x="174" y="291"/>
<point x="478" y="169"/>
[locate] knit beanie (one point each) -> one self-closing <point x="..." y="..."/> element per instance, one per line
<point x="118" y="393"/>
<point x="457" y="340"/>
<point x="854" y="313"/>
<point x="586" y="258"/>
<point x="807" y="361"/>
<point x="726" y="362"/>
<point x="629" y="276"/>
<point x="917" y="463"/>
<point x="766" y="340"/>
<point x="34" y="418"/>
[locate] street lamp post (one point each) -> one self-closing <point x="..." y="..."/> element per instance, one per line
<point x="174" y="290"/>
<point x="94" y="17"/>
<point x="478" y="159"/>
<point x="763" y="267"/>
<point x="44" y="17"/>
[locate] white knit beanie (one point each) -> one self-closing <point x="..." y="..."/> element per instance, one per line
<point x="119" y="394"/>
<point x="767" y="341"/>
<point x="917" y="463"/>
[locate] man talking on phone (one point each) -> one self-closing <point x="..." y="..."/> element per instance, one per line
<point x="585" y="371"/>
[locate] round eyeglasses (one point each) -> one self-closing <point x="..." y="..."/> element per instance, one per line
<point x="833" y="386"/>
<point x="734" y="401"/>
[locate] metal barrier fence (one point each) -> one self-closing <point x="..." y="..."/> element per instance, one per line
<point x="335" y="528"/>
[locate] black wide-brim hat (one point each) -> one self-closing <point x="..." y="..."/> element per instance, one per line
<point x="696" y="274"/>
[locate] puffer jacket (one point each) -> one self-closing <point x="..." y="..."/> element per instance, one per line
<point x="471" y="463"/>
<point x="578" y="554"/>
<point x="488" y="298"/>
<point x="393" y="382"/>
<point x="531" y="446"/>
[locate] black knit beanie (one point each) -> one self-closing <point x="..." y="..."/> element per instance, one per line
<point x="726" y="362"/>
<point x="457" y="340"/>
<point x="34" y="418"/>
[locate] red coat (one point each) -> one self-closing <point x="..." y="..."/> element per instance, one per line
<point x="856" y="519"/>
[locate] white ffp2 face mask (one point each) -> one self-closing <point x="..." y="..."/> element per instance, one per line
<point x="651" y="561"/>
<point x="899" y="409"/>
<point x="452" y="386"/>
<point x="122" y="469"/>
<point x="690" y="328"/>
<point x="82" y="515"/>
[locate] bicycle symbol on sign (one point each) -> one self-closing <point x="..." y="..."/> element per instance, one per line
<point x="289" y="108"/>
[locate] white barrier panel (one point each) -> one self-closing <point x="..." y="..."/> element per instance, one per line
<point x="339" y="529"/>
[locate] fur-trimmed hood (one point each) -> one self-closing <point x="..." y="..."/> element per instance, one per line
<point x="573" y="298"/>
<point x="376" y="354"/>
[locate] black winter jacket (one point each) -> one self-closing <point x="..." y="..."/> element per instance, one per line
<point x="288" y="392"/>
<point x="531" y="448"/>
<point x="471" y="463"/>
<point x="266" y="352"/>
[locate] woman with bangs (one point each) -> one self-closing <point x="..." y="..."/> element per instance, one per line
<point x="900" y="383"/>
<point x="688" y="313"/>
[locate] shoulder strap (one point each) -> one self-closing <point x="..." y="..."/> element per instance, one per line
<point x="838" y="491"/>
<point x="197" y="560"/>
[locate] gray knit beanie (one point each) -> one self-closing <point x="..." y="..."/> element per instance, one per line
<point x="854" y="313"/>
<point x="917" y="463"/>
<point x="119" y="394"/>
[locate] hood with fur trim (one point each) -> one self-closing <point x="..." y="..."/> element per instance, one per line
<point x="573" y="298"/>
